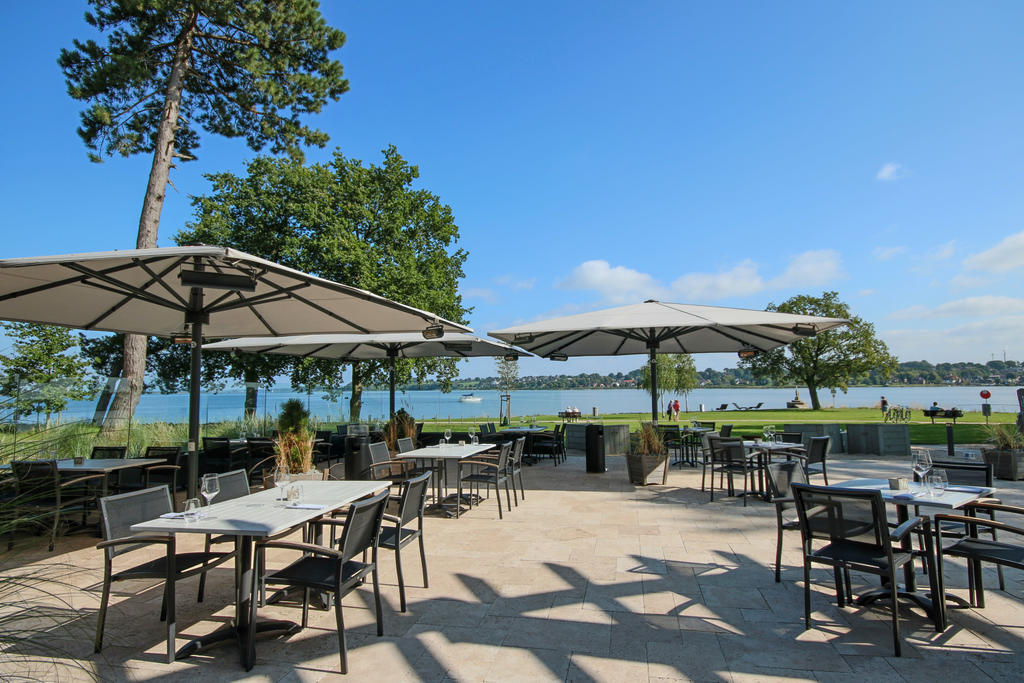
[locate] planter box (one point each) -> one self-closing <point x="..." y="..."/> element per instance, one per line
<point x="647" y="469"/>
<point x="1006" y="464"/>
<point x="878" y="439"/>
<point x="835" y="443"/>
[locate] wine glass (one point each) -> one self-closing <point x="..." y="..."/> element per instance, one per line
<point x="447" y="436"/>
<point x="210" y="488"/>
<point x="472" y="435"/>
<point x="937" y="482"/>
<point x="281" y="479"/>
<point x="921" y="462"/>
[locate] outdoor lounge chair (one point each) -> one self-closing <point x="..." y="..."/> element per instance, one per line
<point x="40" y="495"/>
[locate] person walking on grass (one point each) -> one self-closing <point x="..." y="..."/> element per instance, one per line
<point x="885" y="407"/>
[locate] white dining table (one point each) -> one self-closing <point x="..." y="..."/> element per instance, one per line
<point x="258" y="515"/>
<point x="926" y="505"/>
<point x="440" y="455"/>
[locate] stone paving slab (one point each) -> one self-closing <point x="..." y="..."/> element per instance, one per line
<point x="588" y="579"/>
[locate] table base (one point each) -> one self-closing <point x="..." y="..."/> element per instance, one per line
<point x="234" y="635"/>
<point x="922" y="600"/>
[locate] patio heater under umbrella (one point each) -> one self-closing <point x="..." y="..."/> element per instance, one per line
<point x="655" y="327"/>
<point x="351" y="347"/>
<point x="192" y="291"/>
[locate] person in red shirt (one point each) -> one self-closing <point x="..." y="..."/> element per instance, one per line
<point x="675" y="410"/>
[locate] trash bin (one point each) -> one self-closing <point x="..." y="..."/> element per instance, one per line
<point x="594" y="409"/>
<point x="357" y="457"/>
<point x="702" y="407"/>
<point x="986" y="409"/>
<point x="595" y="448"/>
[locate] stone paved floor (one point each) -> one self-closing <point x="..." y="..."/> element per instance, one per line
<point x="589" y="579"/>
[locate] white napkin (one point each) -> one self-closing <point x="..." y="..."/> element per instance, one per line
<point x="963" y="488"/>
<point x="305" y="506"/>
<point x="173" y="515"/>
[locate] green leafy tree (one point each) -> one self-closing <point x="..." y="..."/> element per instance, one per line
<point x="41" y="374"/>
<point x="170" y="68"/>
<point x="676" y="373"/>
<point x="361" y="225"/>
<point x="830" y="360"/>
<point x="508" y="378"/>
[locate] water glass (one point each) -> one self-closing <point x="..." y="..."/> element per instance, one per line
<point x="191" y="510"/>
<point x="937" y="482"/>
<point x="294" y="494"/>
<point x="281" y="478"/>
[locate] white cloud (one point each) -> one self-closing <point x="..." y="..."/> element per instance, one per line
<point x="618" y="284"/>
<point x="1005" y="256"/>
<point x="867" y="292"/>
<point x="970" y="307"/>
<point x="810" y="269"/>
<point x="975" y="341"/>
<point x="890" y="171"/>
<point x="481" y="293"/>
<point x="961" y="281"/>
<point x="887" y="253"/>
<point x="741" y="280"/>
<point x="512" y="283"/>
<point x="942" y="252"/>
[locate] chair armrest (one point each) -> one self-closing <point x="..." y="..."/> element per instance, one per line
<point x="784" y="499"/>
<point x="392" y="518"/>
<point x="979" y="521"/>
<point x="136" y="540"/>
<point x="301" y="547"/>
<point x="900" y="532"/>
<point x="79" y="480"/>
<point x="983" y="504"/>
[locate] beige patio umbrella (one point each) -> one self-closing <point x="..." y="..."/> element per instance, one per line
<point x="352" y="347"/>
<point x="654" y="327"/>
<point x="196" y="291"/>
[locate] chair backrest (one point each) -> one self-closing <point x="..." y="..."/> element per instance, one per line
<point x="817" y="448"/>
<point x="39" y="477"/>
<point x="233" y="484"/>
<point x="335" y="472"/>
<point x="725" y="430"/>
<point x="791" y="437"/>
<point x="413" y="498"/>
<point x="483" y="429"/>
<point x="970" y="474"/>
<point x="362" y="526"/>
<point x="379" y="452"/>
<point x="260" y="447"/>
<point x="705" y="441"/>
<point x="322" y="434"/>
<point x="104" y="452"/>
<point x="517" y="451"/>
<point x="730" y="449"/>
<point x="781" y="476"/>
<point x="405" y="445"/>
<point x="503" y="452"/>
<point x="491" y="429"/>
<point x="216" y="444"/>
<point x="167" y="453"/>
<point x="120" y="512"/>
<point x="707" y="425"/>
<point x="840" y="515"/>
<point x="359" y="430"/>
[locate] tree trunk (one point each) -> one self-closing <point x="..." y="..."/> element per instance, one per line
<point x="129" y="389"/>
<point x="252" y="393"/>
<point x="355" y="404"/>
<point x="812" y="389"/>
<point x="149" y="221"/>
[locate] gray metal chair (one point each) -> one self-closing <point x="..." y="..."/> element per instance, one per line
<point x="383" y="467"/>
<point x="817" y="454"/>
<point x="338" y="571"/>
<point x="119" y="513"/>
<point x="411" y="503"/>
<point x="488" y="471"/>
<point x="515" y="468"/>
<point x="166" y="473"/>
<point x="854" y="527"/>
<point x="780" y="476"/>
<point x="41" y="495"/>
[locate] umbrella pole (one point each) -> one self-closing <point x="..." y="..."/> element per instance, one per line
<point x="655" y="412"/>
<point x="391" y="383"/>
<point x="193" y="405"/>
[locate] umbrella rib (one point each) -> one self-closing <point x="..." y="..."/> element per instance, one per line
<point x="558" y="340"/>
<point x="159" y="279"/>
<point x="288" y="293"/>
<point x="60" y="283"/>
<point x="115" y="286"/>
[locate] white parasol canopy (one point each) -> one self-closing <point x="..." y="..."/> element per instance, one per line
<point x="351" y="347"/>
<point x="654" y="327"/>
<point x="196" y="290"/>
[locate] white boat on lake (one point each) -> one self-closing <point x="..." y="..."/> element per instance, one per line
<point x="470" y="398"/>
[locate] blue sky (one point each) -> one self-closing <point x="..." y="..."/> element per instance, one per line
<point x="602" y="153"/>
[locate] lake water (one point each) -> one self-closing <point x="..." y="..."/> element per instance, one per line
<point x="228" y="405"/>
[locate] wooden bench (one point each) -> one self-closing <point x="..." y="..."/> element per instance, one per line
<point x="944" y="414"/>
<point x="570" y="415"/>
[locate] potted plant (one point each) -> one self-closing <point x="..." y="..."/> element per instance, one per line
<point x="294" y="438"/>
<point x="1007" y="452"/>
<point x="647" y="461"/>
<point x="402" y="425"/>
